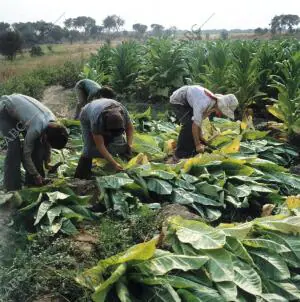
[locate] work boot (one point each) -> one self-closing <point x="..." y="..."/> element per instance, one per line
<point x="84" y="168"/>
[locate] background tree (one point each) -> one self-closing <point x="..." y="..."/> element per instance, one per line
<point x="85" y="24"/>
<point x="4" y="27"/>
<point x="10" y="44"/>
<point x="157" y="29"/>
<point x="224" y="34"/>
<point x="96" y="32"/>
<point x="260" y="31"/>
<point x="28" y="33"/>
<point x="109" y="23"/>
<point x="171" y="32"/>
<point x="113" y="22"/>
<point x="284" y="23"/>
<point x="290" y="21"/>
<point x="140" y="29"/>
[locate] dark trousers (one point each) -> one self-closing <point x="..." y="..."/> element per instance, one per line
<point x="185" y="144"/>
<point x="13" y="159"/>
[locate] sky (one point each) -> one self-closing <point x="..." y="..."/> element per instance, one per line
<point x="230" y="14"/>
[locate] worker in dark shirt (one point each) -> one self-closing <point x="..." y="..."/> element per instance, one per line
<point x="21" y="114"/>
<point x="104" y="123"/>
<point x="87" y="91"/>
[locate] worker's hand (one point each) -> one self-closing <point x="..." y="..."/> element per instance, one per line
<point x="41" y="181"/>
<point x="38" y="180"/>
<point x="200" y="148"/>
<point x="118" y="167"/>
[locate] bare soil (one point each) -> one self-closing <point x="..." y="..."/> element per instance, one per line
<point x="61" y="101"/>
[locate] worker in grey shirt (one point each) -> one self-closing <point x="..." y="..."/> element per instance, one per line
<point x="21" y="114"/>
<point x="103" y="123"/>
<point x="87" y="90"/>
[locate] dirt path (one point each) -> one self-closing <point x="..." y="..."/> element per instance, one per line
<point x="60" y="100"/>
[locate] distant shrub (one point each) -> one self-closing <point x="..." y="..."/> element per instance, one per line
<point x="36" y="51"/>
<point x="69" y="74"/>
<point x="10" y="44"/>
<point x="50" y="48"/>
<point x="28" y="84"/>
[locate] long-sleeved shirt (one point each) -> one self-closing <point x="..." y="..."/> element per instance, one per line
<point x="195" y="97"/>
<point x="92" y="114"/>
<point x="89" y="87"/>
<point x="32" y="117"/>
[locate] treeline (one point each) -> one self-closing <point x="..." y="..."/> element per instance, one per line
<point x="14" y="37"/>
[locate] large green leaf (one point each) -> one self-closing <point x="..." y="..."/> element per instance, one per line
<point x="271" y="298"/>
<point x="53" y="213"/>
<point x="208" y="189"/>
<point x="239" y="191"/>
<point x="220" y="265"/>
<point x="116" y="181"/>
<point x="163" y="262"/>
<point x="43" y="209"/>
<point x="204" y="294"/>
<point x="120" y="204"/>
<point x="247" y="278"/>
<point x="33" y="204"/>
<point x="158" y="174"/>
<point x="174" y="280"/>
<point x="122" y="291"/>
<point x="239" y="231"/>
<point x="237" y="248"/>
<point x="198" y="234"/>
<point x="183" y="197"/>
<point x="271" y="264"/>
<point x="163" y="293"/>
<point x="228" y="290"/>
<point x="54" y="196"/>
<point x="267" y="244"/>
<point x="183" y="184"/>
<point x="115" y="276"/>
<point x="280" y="223"/>
<point x="283" y="289"/>
<point x="159" y="186"/>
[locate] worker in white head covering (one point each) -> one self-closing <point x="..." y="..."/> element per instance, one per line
<point x="191" y="105"/>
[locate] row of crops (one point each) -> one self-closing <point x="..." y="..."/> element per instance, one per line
<point x="258" y="72"/>
<point x="225" y="255"/>
<point x="242" y="245"/>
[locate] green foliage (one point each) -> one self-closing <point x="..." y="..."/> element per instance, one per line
<point x="287" y="106"/>
<point x="34" y="267"/>
<point x="54" y="211"/>
<point x="10" y="43"/>
<point x="204" y="263"/>
<point x="126" y="61"/>
<point x="69" y="74"/>
<point x="36" y="51"/>
<point x="244" y="74"/>
<point x="216" y="69"/>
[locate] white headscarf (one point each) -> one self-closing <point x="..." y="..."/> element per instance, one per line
<point x="227" y="104"/>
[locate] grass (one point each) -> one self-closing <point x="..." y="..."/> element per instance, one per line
<point x="60" y="54"/>
<point x="41" y="264"/>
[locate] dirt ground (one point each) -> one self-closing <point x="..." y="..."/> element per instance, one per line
<point x="60" y="100"/>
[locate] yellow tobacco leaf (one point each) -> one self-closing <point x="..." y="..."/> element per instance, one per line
<point x="140" y="159"/>
<point x="170" y="146"/>
<point x="233" y="147"/>
<point x="293" y="202"/>
<point x="276" y="112"/>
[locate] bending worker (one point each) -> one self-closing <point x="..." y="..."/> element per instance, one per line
<point x="103" y="124"/>
<point x="87" y="91"/>
<point x="21" y="114"/>
<point x="191" y="105"/>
